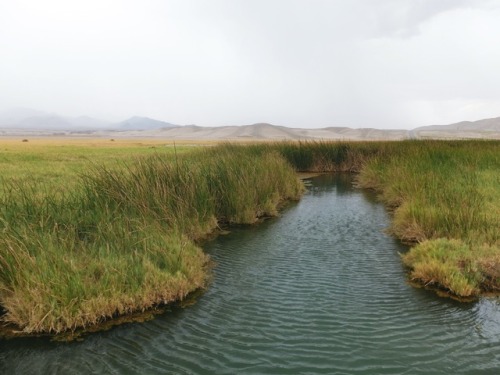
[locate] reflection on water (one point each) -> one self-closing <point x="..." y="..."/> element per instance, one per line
<point x="320" y="290"/>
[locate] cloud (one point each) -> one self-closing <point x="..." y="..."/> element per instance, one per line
<point x="403" y="18"/>
<point x="381" y="63"/>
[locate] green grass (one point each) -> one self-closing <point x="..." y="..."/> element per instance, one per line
<point x="460" y="268"/>
<point x="440" y="189"/>
<point x="114" y="229"/>
<point x="124" y="239"/>
<point x="56" y="164"/>
<point x="444" y="197"/>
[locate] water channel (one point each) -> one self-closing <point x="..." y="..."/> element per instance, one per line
<point x="320" y="290"/>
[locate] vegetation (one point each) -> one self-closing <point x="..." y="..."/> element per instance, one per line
<point x="444" y="197"/>
<point x="54" y="164"/>
<point x="124" y="239"/>
<point x="122" y="236"/>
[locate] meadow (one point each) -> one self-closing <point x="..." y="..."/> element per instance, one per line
<point x="55" y="163"/>
<point x="91" y="231"/>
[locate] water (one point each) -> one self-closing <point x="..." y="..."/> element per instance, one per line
<point x="320" y="290"/>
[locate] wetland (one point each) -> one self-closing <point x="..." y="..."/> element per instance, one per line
<point x="319" y="290"/>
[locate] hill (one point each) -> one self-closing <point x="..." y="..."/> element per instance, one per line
<point x="487" y="128"/>
<point x="33" y="123"/>
<point x="142" y="123"/>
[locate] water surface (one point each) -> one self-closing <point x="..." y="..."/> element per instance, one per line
<point x="320" y="290"/>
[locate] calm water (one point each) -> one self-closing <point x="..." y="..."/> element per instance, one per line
<point x="320" y="290"/>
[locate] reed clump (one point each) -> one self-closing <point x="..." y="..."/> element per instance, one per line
<point x="458" y="267"/>
<point x="444" y="197"/>
<point x="125" y="239"/>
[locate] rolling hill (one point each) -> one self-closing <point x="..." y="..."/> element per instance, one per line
<point x="28" y="122"/>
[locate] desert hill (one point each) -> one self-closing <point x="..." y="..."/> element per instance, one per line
<point x="32" y="123"/>
<point x="487" y="128"/>
<point x="141" y="123"/>
<point x="264" y="131"/>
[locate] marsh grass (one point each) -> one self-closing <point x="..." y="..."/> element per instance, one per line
<point x="122" y="237"/>
<point x="444" y="197"/>
<point x="124" y="240"/>
<point x="458" y="267"/>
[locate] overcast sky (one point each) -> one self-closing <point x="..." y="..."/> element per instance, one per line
<point x="299" y="63"/>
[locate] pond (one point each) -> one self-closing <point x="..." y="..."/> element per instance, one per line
<point x="320" y="290"/>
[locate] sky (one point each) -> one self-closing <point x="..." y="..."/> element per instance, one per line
<point x="300" y="63"/>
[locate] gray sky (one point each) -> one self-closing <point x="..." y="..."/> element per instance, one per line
<point x="299" y="63"/>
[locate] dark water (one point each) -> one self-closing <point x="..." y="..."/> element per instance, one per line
<point x="320" y="290"/>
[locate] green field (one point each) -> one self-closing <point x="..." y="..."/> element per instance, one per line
<point x="56" y="163"/>
<point x="98" y="228"/>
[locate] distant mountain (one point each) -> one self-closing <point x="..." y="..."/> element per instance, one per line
<point x="25" y="118"/>
<point x="487" y="128"/>
<point x="21" y="121"/>
<point x="88" y="122"/>
<point x="264" y="131"/>
<point x="142" y="123"/>
<point x="56" y="122"/>
<point x="30" y="119"/>
<point x="11" y="117"/>
<point x="52" y="122"/>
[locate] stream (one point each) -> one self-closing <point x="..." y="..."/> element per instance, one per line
<point x="319" y="290"/>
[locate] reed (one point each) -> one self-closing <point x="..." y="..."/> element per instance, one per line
<point x="327" y="156"/>
<point x="125" y="239"/>
<point x="444" y="199"/>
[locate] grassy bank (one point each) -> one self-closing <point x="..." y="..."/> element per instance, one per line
<point x="444" y="197"/>
<point x="123" y="239"/>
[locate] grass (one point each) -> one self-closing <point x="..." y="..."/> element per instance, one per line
<point x="462" y="269"/>
<point x="56" y="163"/>
<point x="116" y="230"/>
<point x="444" y="197"/>
<point x="124" y="239"/>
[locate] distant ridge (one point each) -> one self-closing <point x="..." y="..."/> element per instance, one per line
<point x="29" y="122"/>
<point x="12" y="116"/>
<point x="30" y="119"/>
<point x="142" y="123"/>
<point x="264" y="131"/>
<point x="487" y="128"/>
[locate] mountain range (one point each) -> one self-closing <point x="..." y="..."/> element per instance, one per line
<point x="29" y="119"/>
<point x="29" y="122"/>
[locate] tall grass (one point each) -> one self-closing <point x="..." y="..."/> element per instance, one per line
<point x="444" y="197"/>
<point x="325" y="156"/>
<point x="124" y="240"/>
